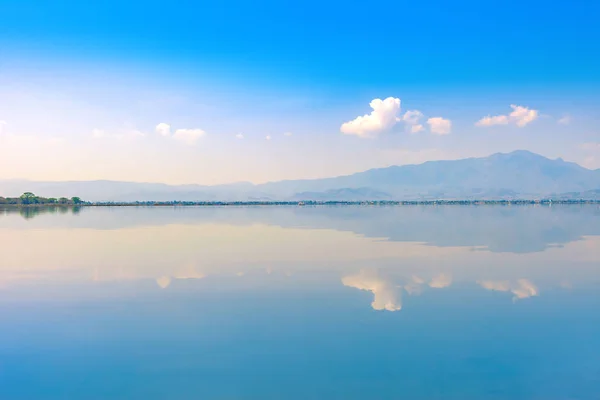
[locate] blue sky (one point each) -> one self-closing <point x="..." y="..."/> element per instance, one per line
<point x="83" y="86"/>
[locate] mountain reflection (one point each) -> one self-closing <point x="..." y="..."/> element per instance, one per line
<point x="159" y="248"/>
<point x="514" y="229"/>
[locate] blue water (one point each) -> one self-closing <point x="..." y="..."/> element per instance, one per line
<point x="485" y="302"/>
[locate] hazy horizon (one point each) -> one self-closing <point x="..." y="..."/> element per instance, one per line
<point x="260" y="183"/>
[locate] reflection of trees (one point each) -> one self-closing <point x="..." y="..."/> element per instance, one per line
<point x="34" y="211"/>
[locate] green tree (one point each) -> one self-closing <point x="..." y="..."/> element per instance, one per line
<point x="76" y="200"/>
<point x="28" y="198"/>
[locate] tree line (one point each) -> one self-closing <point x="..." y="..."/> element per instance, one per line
<point x="29" y="198"/>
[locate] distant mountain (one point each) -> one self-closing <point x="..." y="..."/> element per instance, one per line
<point x="517" y="174"/>
<point x="348" y="194"/>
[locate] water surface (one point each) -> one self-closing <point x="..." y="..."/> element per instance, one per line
<point x="475" y="302"/>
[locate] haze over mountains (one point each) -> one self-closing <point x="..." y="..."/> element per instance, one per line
<point x="519" y="174"/>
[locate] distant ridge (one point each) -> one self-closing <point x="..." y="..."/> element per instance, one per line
<point x="519" y="174"/>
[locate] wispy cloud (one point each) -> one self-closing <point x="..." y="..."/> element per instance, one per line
<point x="520" y="116"/>
<point x="566" y="120"/>
<point x="184" y="135"/>
<point x="239" y="136"/>
<point x="412" y="119"/>
<point x="188" y="136"/>
<point x="287" y="134"/>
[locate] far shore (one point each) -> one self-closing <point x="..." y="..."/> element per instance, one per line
<point x="307" y="203"/>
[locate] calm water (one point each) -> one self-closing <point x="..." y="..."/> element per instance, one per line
<point x="489" y="302"/>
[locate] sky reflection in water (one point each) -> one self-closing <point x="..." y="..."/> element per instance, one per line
<point x="289" y="302"/>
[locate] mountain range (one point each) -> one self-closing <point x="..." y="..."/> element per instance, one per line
<point x="519" y="174"/>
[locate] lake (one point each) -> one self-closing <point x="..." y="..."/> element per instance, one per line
<point x="405" y="302"/>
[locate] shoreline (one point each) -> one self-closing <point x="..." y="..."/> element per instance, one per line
<point x="308" y="203"/>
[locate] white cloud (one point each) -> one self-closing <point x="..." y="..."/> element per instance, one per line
<point x="439" y="125"/>
<point x="441" y="281"/>
<point x="287" y="134"/>
<point x="566" y="120"/>
<point x="163" y="129"/>
<point x="188" y="136"/>
<point x="520" y="116"/>
<point x="2" y="125"/>
<point x="239" y="136"/>
<point x="383" y="117"/>
<point x="496" y="120"/>
<point x="386" y="296"/>
<point x="412" y="119"/>
<point x="267" y="137"/>
<point x="521" y="289"/>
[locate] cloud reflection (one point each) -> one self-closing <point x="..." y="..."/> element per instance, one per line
<point x="521" y="289"/>
<point x="387" y="296"/>
<point x="441" y="281"/>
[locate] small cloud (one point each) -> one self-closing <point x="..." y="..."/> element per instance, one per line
<point x="412" y="119"/>
<point x="520" y="116"/>
<point x="239" y="136"/>
<point x="2" y="126"/>
<point x="496" y="120"/>
<point x="441" y="281"/>
<point x="188" y="136"/>
<point x="383" y="117"/>
<point x="267" y="137"/>
<point x="566" y="120"/>
<point x="287" y="134"/>
<point x="163" y="129"/>
<point x="439" y="125"/>
<point x="98" y="133"/>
